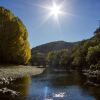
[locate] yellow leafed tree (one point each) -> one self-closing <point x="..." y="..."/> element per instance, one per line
<point x="14" y="46"/>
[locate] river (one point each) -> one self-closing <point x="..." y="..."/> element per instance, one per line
<point x="50" y="86"/>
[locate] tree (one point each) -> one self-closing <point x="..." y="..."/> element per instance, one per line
<point x="59" y="59"/>
<point x="51" y="58"/>
<point x="97" y="34"/>
<point x="79" y="55"/>
<point x="14" y="46"/>
<point x="93" y="55"/>
<point x="64" y="61"/>
<point x="38" y="59"/>
<point x="79" y="58"/>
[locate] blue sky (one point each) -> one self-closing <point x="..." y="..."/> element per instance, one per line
<point x="78" y="26"/>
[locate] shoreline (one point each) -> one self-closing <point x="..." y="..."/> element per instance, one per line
<point x="19" y="71"/>
<point x="11" y="73"/>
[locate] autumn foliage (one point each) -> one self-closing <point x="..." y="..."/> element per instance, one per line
<point x="14" y="46"/>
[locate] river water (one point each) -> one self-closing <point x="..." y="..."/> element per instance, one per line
<point x="51" y="86"/>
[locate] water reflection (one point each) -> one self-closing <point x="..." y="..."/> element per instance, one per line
<point x="19" y="86"/>
<point x="62" y="86"/>
<point x="52" y="86"/>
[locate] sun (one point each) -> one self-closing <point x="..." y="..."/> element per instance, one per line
<point x="55" y="10"/>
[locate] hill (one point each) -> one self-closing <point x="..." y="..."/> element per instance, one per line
<point x="40" y="53"/>
<point x="54" y="46"/>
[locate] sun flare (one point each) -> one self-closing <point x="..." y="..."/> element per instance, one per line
<point x="55" y="10"/>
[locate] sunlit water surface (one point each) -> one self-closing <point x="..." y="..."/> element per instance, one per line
<point x="52" y="86"/>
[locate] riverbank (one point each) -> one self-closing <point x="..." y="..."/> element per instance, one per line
<point x="19" y="71"/>
<point x="11" y="73"/>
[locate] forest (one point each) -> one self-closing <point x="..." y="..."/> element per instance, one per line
<point x="84" y="55"/>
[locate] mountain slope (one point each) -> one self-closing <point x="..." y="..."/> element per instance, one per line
<point x="53" y="46"/>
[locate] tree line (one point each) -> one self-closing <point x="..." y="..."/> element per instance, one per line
<point x="83" y="56"/>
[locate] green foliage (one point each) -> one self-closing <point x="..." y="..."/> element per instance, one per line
<point x="87" y="53"/>
<point x="84" y="54"/>
<point x="14" y="47"/>
<point x="38" y="59"/>
<point x="51" y="58"/>
<point x="97" y="34"/>
<point x="58" y="59"/>
<point x="93" y="55"/>
<point x="79" y="55"/>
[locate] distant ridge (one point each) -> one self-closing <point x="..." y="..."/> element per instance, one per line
<point x="54" y="46"/>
